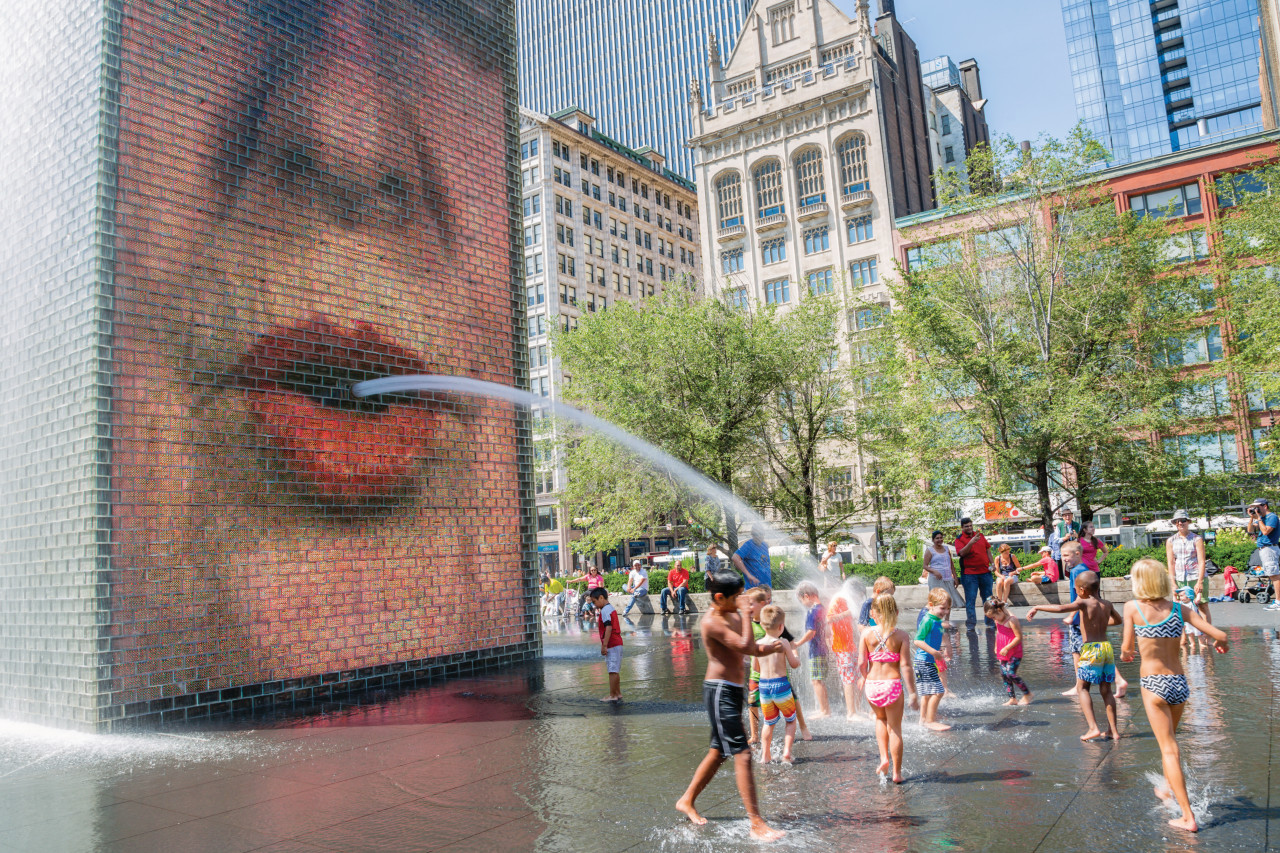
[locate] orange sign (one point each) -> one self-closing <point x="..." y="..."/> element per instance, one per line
<point x="1001" y="510"/>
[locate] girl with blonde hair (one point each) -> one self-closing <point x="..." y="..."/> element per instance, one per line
<point x="884" y="655"/>
<point x="1157" y="624"/>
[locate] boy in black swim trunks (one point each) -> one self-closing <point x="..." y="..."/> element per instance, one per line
<point x="727" y="637"/>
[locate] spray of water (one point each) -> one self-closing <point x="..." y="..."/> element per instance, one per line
<point x="691" y="477"/>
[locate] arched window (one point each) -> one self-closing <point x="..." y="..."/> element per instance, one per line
<point x="768" y="180"/>
<point x="852" y="153"/>
<point x="811" y="186"/>
<point x="729" y="198"/>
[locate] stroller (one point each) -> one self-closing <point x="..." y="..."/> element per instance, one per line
<point x="1257" y="586"/>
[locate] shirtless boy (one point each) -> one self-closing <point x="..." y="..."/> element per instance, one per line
<point x="727" y="637"/>
<point x="777" y="703"/>
<point x="1097" y="659"/>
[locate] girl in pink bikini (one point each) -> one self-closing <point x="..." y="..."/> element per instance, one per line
<point x="884" y="657"/>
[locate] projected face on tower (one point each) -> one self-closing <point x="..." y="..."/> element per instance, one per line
<point x="311" y="194"/>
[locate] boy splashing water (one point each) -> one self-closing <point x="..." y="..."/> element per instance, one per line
<point x="776" y="699"/>
<point x="727" y="637"/>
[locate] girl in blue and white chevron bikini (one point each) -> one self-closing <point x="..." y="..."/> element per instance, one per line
<point x="1157" y="624"/>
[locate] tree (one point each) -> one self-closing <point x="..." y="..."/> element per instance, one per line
<point x="691" y="376"/>
<point x="807" y="422"/>
<point x="1248" y="238"/>
<point x="1033" y="323"/>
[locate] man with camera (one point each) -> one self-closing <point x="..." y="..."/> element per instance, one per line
<point x="1264" y="524"/>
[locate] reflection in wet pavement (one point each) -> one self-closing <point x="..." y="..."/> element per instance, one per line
<point x="531" y="759"/>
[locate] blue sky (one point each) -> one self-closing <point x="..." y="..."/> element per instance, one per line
<point x="1021" y="52"/>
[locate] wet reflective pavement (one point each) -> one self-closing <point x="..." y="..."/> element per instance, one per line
<point x="531" y="760"/>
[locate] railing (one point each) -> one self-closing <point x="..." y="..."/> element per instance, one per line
<point x="771" y="221"/>
<point x="857" y="198"/>
<point x="730" y="232"/>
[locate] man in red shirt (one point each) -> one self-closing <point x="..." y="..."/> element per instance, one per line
<point x="677" y="588"/>
<point x="975" y="559"/>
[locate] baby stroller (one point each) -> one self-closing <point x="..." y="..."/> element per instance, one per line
<point x="1257" y="586"/>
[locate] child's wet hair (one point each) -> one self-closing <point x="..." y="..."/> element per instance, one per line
<point x="885" y="608"/>
<point x="883" y="585"/>
<point x="805" y="588"/>
<point x="771" y="617"/>
<point x="726" y="582"/>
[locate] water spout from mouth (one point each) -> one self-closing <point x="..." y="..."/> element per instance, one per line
<point x="690" y="476"/>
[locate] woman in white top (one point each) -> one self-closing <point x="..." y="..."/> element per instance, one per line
<point x="938" y="568"/>
<point x="1184" y="555"/>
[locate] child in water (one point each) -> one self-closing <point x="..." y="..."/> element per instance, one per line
<point x="727" y="637"/>
<point x="1008" y="649"/>
<point x="776" y="699"/>
<point x="931" y="652"/>
<point x="1097" y="659"/>
<point x="1157" y="624"/>
<point x="884" y="654"/>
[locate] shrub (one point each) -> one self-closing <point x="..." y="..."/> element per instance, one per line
<point x="615" y="581"/>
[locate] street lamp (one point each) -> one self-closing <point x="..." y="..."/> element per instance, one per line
<point x="875" y="490"/>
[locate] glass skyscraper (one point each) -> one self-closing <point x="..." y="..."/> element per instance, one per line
<point x="626" y="62"/>
<point x="1151" y="78"/>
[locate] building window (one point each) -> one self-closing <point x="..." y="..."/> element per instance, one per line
<point x="777" y="292"/>
<point x="773" y="251"/>
<point x="529" y="150"/>
<point x="564" y="206"/>
<point x="1207" y="453"/>
<point x="821" y="282"/>
<point x="863" y="273"/>
<point x="564" y="234"/>
<point x="537" y="325"/>
<point x="946" y="124"/>
<point x="533" y="264"/>
<point x="568" y="295"/>
<point x="782" y="23"/>
<point x="536" y="293"/>
<point x="532" y="235"/>
<point x="852" y="153"/>
<point x="1177" y="201"/>
<point x="1233" y="189"/>
<point x="532" y="205"/>
<point x="732" y="261"/>
<point x="809" y="179"/>
<point x="817" y="240"/>
<point x="860" y="229"/>
<point x="1188" y="246"/>
<point x="949" y="154"/>
<point x="838" y="485"/>
<point x="736" y="298"/>
<point x="565" y="264"/>
<point x="546" y="519"/>
<point x="1208" y="399"/>
<point x="768" y="179"/>
<point x="729" y="198"/>
<point x="1201" y="346"/>
<point x="530" y="176"/>
<point x="538" y="356"/>
<point x="868" y="318"/>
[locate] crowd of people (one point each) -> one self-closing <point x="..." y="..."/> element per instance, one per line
<point x="885" y="668"/>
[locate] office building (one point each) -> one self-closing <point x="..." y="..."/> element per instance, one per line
<point x="957" y="117"/>
<point x="1269" y="24"/>
<point x="626" y="63"/>
<point x="812" y="137"/>
<point x="1152" y="78"/>
<point x="1224" y="414"/>
<point x="602" y="223"/>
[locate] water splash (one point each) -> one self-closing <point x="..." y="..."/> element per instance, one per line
<point x="690" y="476"/>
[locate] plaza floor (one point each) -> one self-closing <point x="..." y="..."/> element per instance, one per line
<point x="531" y="760"/>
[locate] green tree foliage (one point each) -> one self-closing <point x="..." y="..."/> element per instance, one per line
<point x="1031" y="331"/>
<point x="1249" y="242"/>
<point x="691" y="376"/>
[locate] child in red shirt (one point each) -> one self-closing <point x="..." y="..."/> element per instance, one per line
<point x="610" y="640"/>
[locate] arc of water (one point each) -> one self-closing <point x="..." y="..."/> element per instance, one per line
<point x="707" y="487"/>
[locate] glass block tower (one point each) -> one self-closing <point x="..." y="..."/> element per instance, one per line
<point x="1151" y="78"/>
<point x="626" y="63"/>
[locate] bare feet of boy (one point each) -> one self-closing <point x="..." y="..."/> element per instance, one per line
<point x="883" y="768"/>
<point x="935" y="726"/>
<point x="1025" y="700"/>
<point x="686" y="808"/>
<point x="1187" y="823"/>
<point x="761" y="831"/>
<point x="1092" y="735"/>
<point x="897" y="778"/>
<point x="1070" y="692"/>
<point x="805" y="734"/>
<point x="788" y="757"/>
<point x="1012" y="702"/>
